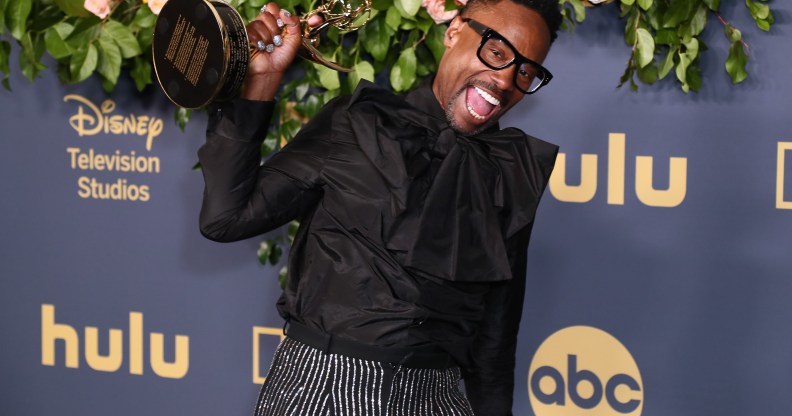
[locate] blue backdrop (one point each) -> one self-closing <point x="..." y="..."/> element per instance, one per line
<point x="659" y="269"/>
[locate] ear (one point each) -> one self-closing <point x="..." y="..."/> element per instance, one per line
<point x="452" y="33"/>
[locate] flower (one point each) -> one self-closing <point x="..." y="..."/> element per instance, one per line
<point x="155" y="5"/>
<point x="100" y="8"/>
<point x="437" y="11"/>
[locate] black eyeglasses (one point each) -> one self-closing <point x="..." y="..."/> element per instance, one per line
<point x="497" y="53"/>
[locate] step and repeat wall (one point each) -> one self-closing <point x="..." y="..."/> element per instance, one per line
<point x="660" y="270"/>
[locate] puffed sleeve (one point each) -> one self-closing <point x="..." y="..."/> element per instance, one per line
<point x="490" y="382"/>
<point x="243" y="197"/>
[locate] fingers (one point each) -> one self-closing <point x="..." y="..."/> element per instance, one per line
<point x="315" y="20"/>
<point x="271" y="28"/>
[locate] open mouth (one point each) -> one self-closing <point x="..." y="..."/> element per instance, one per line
<point x="480" y="103"/>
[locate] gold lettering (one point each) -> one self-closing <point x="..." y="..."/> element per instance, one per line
<point x="154" y="130"/>
<point x="116" y="124"/>
<point x="50" y="332"/>
<point x="73" y="151"/>
<point x="79" y="121"/>
<point x="135" y="343"/>
<point x="258" y="331"/>
<point x="782" y="203"/>
<point x="585" y="191"/>
<point x="616" y="159"/>
<point x="181" y="363"/>
<point x="677" y="182"/>
<point x="99" y="119"/>
<point x="110" y="362"/>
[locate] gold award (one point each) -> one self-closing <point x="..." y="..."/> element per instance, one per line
<point x="201" y="50"/>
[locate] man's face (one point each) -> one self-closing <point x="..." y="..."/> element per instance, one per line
<point x="474" y="96"/>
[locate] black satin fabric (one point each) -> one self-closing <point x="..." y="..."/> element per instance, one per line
<point x="411" y="234"/>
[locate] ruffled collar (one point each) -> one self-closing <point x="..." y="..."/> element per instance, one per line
<point x="454" y="199"/>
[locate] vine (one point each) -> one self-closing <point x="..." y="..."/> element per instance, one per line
<point x="402" y="42"/>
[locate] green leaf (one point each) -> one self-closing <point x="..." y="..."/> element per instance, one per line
<point x="759" y="11"/>
<point x="291" y="232"/>
<point x="283" y="276"/>
<point x="73" y="7"/>
<point x="694" y="77"/>
<point x="763" y="24"/>
<point x="628" y="2"/>
<point x="141" y="72"/>
<point x="3" y="4"/>
<point x="16" y="14"/>
<point x="699" y="21"/>
<point x="713" y="5"/>
<point x="83" y="62"/>
<point x="648" y="74"/>
<point x="630" y="35"/>
<point x="30" y="56"/>
<point x="402" y="75"/>
<point x="328" y="77"/>
<point x="666" y="37"/>
<point x="310" y="106"/>
<point x="393" y="18"/>
<point x="275" y="254"/>
<point x="56" y="45"/>
<point x="123" y="37"/>
<point x="264" y="250"/>
<point x="691" y="48"/>
<point x="733" y="34"/>
<point x="44" y="19"/>
<point x="580" y="11"/>
<point x="424" y="22"/>
<point x="5" y="53"/>
<point x="409" y="6"/>
<point x="182" y="117"/>
<point x="362" y="70"/>
<point x="645" y="4"/>
<point x="435" y="41"/>
<point x="109" y="65"/>
<point x="302" y="90"/>
<point x="644" y="47"/>
<point x="377" y="36"/>
<point x="144" y="19"/>
<point x="85" y="31"/>
<point x="681" y="11"/>
<point x="735" y="63"/>
<point x="667" y="64"/>
<point x="681" y="70"/>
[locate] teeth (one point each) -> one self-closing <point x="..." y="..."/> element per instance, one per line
<point x="473" y="113"/>
<point x="490" y="99"/>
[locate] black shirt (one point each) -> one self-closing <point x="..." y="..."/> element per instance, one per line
<point x="410" y="235"/>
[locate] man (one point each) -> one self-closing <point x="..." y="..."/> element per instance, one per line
<point x="408" y="270"/>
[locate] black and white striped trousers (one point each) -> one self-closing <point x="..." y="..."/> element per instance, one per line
<point x="304" y="381"/>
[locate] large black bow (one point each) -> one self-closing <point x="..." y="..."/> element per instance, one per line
<point x="455" y="199"/>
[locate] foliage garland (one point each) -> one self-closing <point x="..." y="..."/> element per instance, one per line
<point x="402" y="43"/>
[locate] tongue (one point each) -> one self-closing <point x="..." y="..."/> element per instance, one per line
<point x="478" y="103"/>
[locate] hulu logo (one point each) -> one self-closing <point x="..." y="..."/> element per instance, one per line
<point x="51" y="332"/>
<point x="645" y="189"/>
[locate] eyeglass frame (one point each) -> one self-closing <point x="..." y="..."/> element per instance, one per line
<point x="488" y="33"/>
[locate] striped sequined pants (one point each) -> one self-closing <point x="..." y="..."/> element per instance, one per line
<point x="304" y="381"/>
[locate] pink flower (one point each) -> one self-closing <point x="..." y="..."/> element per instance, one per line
<point x="437" y="11"/>
<point x="100" y="8"/>
<point x="155" y="5"/>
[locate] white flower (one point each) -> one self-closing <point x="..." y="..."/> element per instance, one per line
<point x="437" y="11"/>
<point x="100" y="8"/>
<point x="155" y="5"/>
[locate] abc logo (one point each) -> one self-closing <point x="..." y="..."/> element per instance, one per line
<point x="582" y="370"/>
